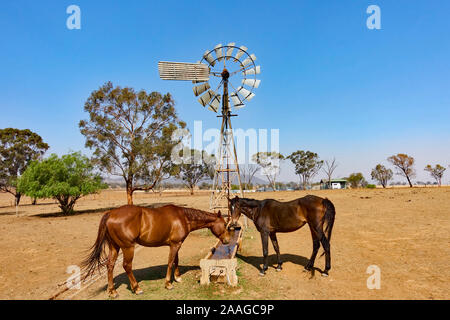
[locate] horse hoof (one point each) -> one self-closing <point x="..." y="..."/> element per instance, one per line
<point x="169" y="286"/>
<point x="262" y="273"/>
<point x="139" y="291"/>
<point x="306" y="270"/>
<point x="278" y="269"/>
<point x="324" y="274"/>
<point x="178" y="279"/>
<point x="113" y="295"/>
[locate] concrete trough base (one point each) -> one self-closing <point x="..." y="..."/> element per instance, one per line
<point x="220" y="264"/>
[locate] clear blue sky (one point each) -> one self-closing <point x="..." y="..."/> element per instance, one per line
<point x="329" y="84"/>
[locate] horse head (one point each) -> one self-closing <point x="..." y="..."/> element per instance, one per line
<point x="235" y="209"/>
<point x="220" y="230"/>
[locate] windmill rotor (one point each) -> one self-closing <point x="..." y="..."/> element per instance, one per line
<point x="246" y="71"/>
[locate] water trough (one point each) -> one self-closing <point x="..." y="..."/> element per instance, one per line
<point x="220" y="263"/>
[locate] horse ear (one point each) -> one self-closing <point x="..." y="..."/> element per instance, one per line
<point x="236" y="197"/>
<point x="219" y="214"/>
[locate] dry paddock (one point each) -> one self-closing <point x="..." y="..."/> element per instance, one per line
<point x="405" y="232"/>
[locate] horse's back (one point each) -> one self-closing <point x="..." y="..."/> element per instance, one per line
<point x="146" y="226"/>
<point x="162" y="225"/>
<point x="291" y="215"/>
<point x="281" y="216"/>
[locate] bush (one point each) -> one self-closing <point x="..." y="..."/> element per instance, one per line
<point x="371" y="186"/>
<point x="357" y="180"/>
<point x="64" y="179"/>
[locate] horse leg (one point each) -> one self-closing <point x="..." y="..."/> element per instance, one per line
<point x="113" y="253"/>
<point x="172" y="254"/>
<point x="128" y="254"/>
<point x="265" y="246"/>
<point x="177" y="270"/>
<point x="326" y="248"/>
<point x="273" y="237"/>
<point x="316" y="245"/>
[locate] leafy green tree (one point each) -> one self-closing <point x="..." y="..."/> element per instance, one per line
<point x="64" y="179"/>
<point x="17" y="149"/>
<point x="382" y="174"/>
<point x="357" y="180"/>
<point x="307" y="165"/>
<point x="270" y="165"/>
<point x="131" y="134"/>
<point x="437" y="172"/>
<point x="404" y="165"/>
<point x="195" y="167"/>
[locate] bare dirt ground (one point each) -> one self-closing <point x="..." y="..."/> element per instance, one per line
<point x="405" y="232"/>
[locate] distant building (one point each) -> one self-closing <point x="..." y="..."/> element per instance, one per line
<point x="335" y="184"/>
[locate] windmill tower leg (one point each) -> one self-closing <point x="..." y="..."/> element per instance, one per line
<point x="237" y="169"/>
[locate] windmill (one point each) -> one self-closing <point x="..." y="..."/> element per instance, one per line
<point x="214" y="64"/>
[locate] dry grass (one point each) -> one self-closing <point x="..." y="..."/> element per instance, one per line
<point x="403" y="231"/>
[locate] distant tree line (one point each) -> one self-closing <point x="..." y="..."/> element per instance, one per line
<point x="131" y="135"/>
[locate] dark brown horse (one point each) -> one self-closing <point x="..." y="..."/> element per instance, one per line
<point x="169" y="225"/>
<point x="271" y="216"/>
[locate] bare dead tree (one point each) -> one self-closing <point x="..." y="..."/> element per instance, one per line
<point x="248" y="171"/>
<point x="329" y="168"/>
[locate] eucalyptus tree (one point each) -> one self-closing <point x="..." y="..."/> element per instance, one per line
<point x="270" y="165"/>
<point x="437" y="172"/>
<point x="404" y="165"/>
<point x="17" y="149"/>
<point x="307" y="165"/>
<point x="131" y="134"/>
<point x="382" y="174"/>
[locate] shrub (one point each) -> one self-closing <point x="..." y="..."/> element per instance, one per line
<point x="64" y="179"/>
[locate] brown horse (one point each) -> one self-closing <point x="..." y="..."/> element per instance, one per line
<point x="169" y="225"/>
<point x="271" y="216"/>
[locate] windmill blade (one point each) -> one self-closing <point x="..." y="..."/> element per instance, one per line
<point x="183" y="71"/>
<point x="230" y="49"/>
<point x="240" y="52"/>
<point x="236" y="101"/>
<point x="251" y="82"/>
<point x="250" y="96"/>
<point x="247" y="95"/>
<point x="218" y="50"/>
<point x="255" y="70"/>
<point x="249" y="60"/>
<point x="215" y="103"/>
<point x="201" y="88"/>
<point x="209" y="57"/>
<point x="206" y="98"/>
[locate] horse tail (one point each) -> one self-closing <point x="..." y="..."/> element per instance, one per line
<point x="328" y="218"/>
<point x="97" y="256"/>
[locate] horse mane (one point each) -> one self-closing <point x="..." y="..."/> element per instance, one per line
<point x="199" y="215"/>
<point x="249" y="202"/>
